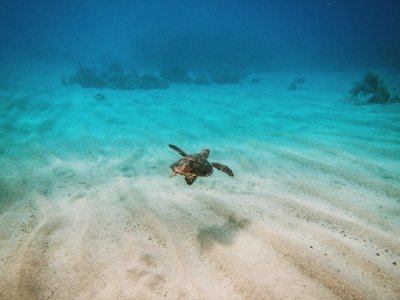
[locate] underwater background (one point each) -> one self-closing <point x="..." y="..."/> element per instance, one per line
<point x="301" y="99"/>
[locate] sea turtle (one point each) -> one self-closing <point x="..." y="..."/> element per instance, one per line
<point x="194" y="165"/>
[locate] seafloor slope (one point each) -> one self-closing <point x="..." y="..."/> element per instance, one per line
<point x="88" y="210"/>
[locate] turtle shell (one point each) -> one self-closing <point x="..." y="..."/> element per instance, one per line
<point x="192" y="165"/>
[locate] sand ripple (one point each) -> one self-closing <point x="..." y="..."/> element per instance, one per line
<point x="88" y="210"/>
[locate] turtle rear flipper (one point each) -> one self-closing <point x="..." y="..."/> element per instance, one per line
<point x="177" y="150"/>
<point x="222" y="168"/>
<point x="190" y="179"/>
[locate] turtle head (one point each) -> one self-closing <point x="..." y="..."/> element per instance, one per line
<point x="205" y="153"/>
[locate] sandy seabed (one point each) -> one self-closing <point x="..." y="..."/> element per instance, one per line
<point x="88" y="210"/>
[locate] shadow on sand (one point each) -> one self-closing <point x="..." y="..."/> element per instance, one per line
<point x="223" y="234"/>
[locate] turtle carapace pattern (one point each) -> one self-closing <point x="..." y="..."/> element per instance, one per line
<point x="193" y="165"/>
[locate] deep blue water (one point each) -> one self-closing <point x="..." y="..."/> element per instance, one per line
<point x="259" y="35"/>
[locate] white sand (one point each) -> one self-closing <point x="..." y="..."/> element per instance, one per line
<point x="88" y="210"/>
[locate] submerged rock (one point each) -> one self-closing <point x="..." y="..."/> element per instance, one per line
<point x="87" y="77"/>
<point x="372" y="87"/>
<point x="114" y="77"/>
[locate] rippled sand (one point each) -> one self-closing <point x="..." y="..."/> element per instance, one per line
<point x="88" y="210"/>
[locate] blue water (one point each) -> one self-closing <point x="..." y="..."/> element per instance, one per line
<point x="198" y="34"/>
<point x="88" y="209"/>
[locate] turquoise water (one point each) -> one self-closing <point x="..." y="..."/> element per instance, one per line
<point x="93" y="92"/>
<point x="87" y="203"/>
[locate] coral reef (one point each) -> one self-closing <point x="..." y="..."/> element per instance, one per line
<point x="117" y="78"/>
<point x="372" y="87"/>
<point x="114" y="77"/>
<point x="86" y="77"/>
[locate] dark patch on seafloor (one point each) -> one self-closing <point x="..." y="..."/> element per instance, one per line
<point x="222" y="234"/>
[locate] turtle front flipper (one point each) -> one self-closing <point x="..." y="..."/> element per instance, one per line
<point x="222" y="168"/>
<point x="177" y="150"/>
<point x="190" y="179"/>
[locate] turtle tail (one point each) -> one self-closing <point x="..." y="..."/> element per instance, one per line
<point x="177" y="150"/>
<point x="223" y="168"/>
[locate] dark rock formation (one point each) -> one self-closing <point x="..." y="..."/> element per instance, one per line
<point x="114" y="77"/>
<point x="371" y="87"/>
